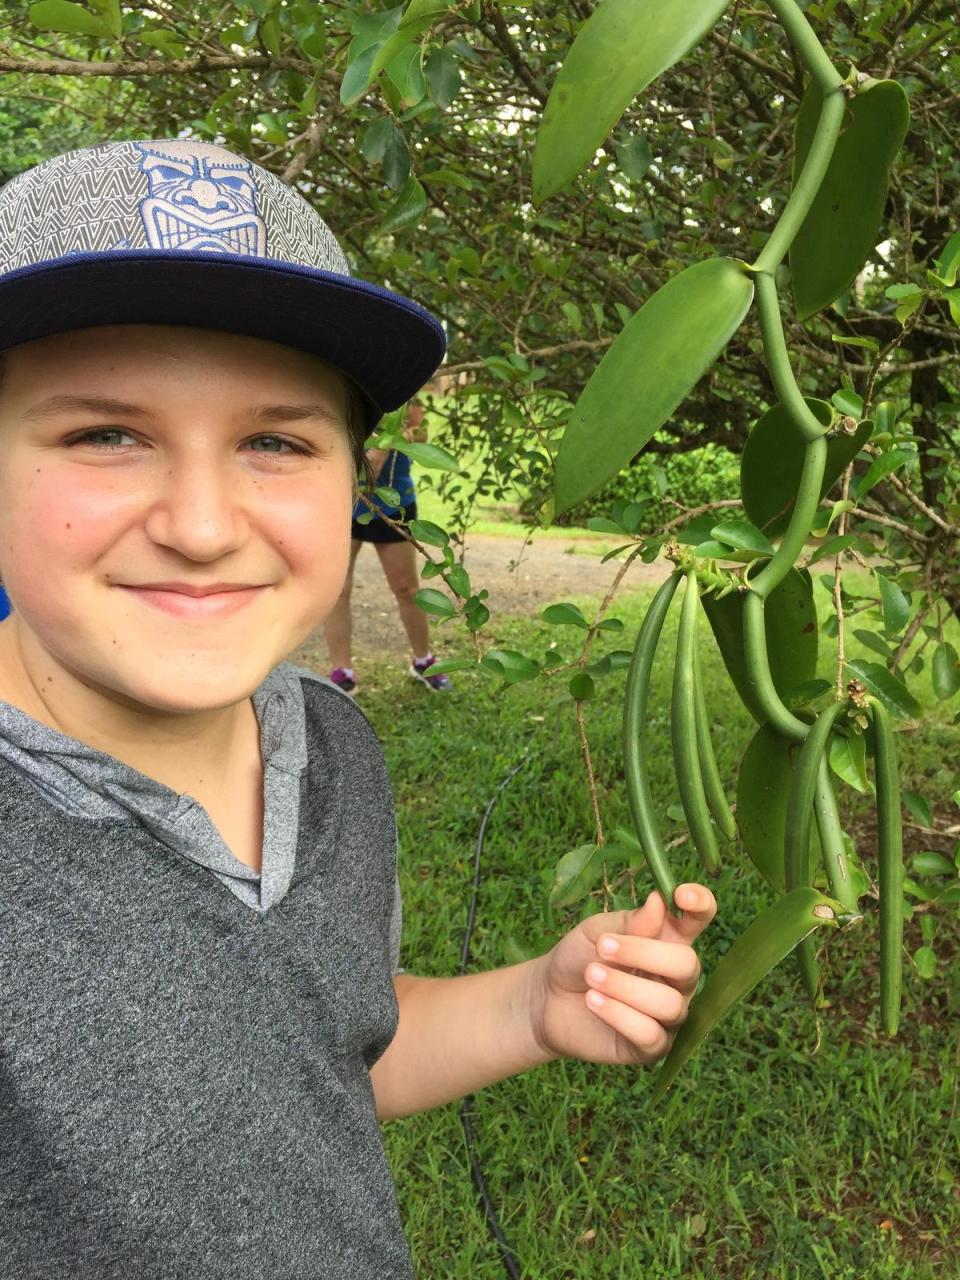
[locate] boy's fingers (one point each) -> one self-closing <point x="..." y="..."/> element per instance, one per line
<point x="698" y="905"/>
<point x="646" y="921"/>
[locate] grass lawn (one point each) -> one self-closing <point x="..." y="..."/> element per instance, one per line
<point x="794" y="1146"/>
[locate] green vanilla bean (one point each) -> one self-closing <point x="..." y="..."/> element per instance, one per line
<point x="712" y="785"/>
<point x="636" y="775"/>
<point x="683" y="725"/>
<point x="801" y="521"/>
<point x="801" y="417"/>
<point x="890" y="842"/>
<point x="758" y="673"/>
<point x="796" y="854"/>
<point x="831" y="841"/>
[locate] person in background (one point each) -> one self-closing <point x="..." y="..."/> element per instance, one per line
<point x="398" y="558"/>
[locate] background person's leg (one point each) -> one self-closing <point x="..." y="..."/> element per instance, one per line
<point x="399" y="560"/>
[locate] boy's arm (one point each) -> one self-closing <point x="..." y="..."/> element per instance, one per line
<point x="457" y="1035"/>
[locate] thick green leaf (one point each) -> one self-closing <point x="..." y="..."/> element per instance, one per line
<point x="931" y="863"/>
<point x="635" y="157"/>
<point x="771" y="937"/>
<point x="894" y="695"/>
<point x="653" y="364"/>
<point x="576" y="874"/>
<point x="843" y="225"/>
<point x="619" y="50"/>
<point x="763" y="786"/>
<point x="72" y="19"/>
<point x="772" y="460"/>
<point x="790" y="623"/>
<point x="945" y="671"/>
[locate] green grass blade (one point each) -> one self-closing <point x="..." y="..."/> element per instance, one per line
<point x="771" y="937"/>
<point x="652" y="366"/>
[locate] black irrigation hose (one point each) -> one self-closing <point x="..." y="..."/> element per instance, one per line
<point x="507" y="1255"/>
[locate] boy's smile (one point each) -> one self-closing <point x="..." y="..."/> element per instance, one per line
<point x="174" y="517"/>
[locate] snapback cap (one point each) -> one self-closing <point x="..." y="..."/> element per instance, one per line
<point x="181" y="232"/>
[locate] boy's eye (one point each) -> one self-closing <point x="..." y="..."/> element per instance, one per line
<point x="277" y="443"/>
<point x="102" y="437"/>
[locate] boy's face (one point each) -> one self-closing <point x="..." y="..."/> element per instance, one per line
<point x="141" y="457"/>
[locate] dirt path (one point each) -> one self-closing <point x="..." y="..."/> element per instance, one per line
<point x="550" y="569"/>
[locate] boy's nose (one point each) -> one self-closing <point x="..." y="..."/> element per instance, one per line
<point x="199" y="514"/>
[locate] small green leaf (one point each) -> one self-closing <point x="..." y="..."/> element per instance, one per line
<point x="71" y="19"/>
<point x="830" y="548"/>
<point x="427" y="532"/>
<point x="771" y="937"/>
<point x="564" y="615"/>
<point x="843" y="225"/>
<point x="945" y="671"/>
<point x="931" y="863"/>
<point x="948" y="262"/>
<point x="389" y="496"/>
<point x="918" y="807"/>
<point x="356" y="78"/>
<point x="743" y="536"/>
<point x="427" y="455"/>
<point x="576" y="874"/>
<point x="653" y="364"/>
<point x="925" y="958"/>
<point x="894" y="695"/>
<point x="512" y="667"/>
<point x="883" y="466"/>
<point x="848" y="760"/>
<point x="581" y="687"/>
<point x="600" y="524"/>
<point x="619" y="50"/>
<point x="434" y="602"/>
<point x="848" y="403"/>
<point x="634" y="158"/>
<point x="896" y="606"/>
<point x="405" y="212"/>
<point x="458" y="580"/>
<point x="443" y="76"/>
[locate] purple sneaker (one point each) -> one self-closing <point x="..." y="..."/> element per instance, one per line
<point x="343" y="678"/>
<point x="439" y="683"/>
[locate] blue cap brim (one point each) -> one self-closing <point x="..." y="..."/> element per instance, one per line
<point x="388" y="345"/>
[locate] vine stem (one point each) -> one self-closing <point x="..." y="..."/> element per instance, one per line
<point x="801" y="416"/>
<point x="838" y="587"/>
<point x="588" y="765"/>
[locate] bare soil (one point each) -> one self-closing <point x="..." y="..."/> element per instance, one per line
<point x="521" y="579"/>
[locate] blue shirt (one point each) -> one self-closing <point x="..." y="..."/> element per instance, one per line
<point x="394" y="474"/>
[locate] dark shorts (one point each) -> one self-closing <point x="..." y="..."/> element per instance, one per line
<point x="380" y="531"/>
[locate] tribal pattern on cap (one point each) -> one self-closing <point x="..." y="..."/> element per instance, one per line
<point x="172" y="194"/>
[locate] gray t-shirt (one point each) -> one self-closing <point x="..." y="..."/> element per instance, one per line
<point x="87" y="783"/>
<point x="185" y="1053"/>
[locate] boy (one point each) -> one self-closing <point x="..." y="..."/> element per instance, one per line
<point x="201" y="1018"/>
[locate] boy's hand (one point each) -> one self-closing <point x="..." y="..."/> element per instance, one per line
<point x="645" y="984"/>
